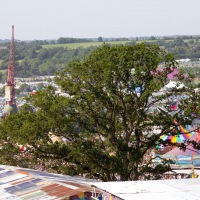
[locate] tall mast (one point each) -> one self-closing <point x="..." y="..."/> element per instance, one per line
<point x="11" y="70"/>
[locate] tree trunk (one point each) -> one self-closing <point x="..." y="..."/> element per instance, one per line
<point x="136" y="174"/>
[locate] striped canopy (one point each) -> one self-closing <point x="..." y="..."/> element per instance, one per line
<point x="190" y="151"/>
<point x="182" y="135"/>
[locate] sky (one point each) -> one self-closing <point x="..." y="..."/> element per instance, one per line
<point x="52" y="19"/>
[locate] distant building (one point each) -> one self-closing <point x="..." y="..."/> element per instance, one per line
<point x="183" y="60"/>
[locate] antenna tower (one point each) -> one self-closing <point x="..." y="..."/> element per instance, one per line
<point x="10" y="84"/>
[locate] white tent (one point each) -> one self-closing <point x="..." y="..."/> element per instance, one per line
<point x="174" y="84"/>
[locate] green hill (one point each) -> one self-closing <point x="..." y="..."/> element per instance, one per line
<point x="83" y="44"/>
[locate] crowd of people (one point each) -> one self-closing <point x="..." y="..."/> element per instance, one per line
<point x="192" y="174"/>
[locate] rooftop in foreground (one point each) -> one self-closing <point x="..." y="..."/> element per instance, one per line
<point x="176" y="189"/>
<point x="20" y="183"/>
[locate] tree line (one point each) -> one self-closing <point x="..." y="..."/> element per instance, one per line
<point x="33" y="60"/>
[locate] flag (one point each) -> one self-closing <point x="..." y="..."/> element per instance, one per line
<point x="174" y="106"/>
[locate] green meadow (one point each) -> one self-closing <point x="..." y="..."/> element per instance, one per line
<point x="84" y="44"/>
<point x="3" y="71"/>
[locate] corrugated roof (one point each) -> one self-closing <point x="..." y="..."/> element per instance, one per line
<point x="20" y="183"/>
<point x="176" y="189"/>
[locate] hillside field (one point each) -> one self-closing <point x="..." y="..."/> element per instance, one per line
<point x="89" y="44"/>
<point x="84" y="44"/>
<point x="3" y="71"/>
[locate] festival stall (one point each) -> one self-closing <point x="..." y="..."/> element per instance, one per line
<point x="182" y="134"/>
<point x="185" y="158"/>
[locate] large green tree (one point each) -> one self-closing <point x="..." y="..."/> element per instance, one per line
<point x="107" y="116"/>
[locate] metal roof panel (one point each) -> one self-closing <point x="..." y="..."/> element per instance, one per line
<point x="20" y="183"/>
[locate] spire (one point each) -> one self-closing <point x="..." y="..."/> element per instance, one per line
<point x="10" y="85"/>
<point x="12" y="49"/>
<point x="11" y="66"/>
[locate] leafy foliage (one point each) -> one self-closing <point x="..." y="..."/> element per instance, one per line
<point x="108" y="126"/>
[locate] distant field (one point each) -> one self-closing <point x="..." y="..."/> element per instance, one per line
<point x="3" y="47"/>
<point x="84" y="45"/>
<point x="3" y="71"/>
<point x="19" y="61"/>
<point x="88" y="44"/>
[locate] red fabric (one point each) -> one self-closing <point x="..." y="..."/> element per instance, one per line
<point x="197" y="136"/>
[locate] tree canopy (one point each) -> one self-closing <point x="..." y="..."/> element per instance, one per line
<point x="104" y="124"/>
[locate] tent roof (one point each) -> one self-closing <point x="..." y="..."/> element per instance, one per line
<point x="174" y="84"/>
<point x="190" y="151"/>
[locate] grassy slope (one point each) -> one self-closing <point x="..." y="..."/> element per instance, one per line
<point x="88" y="44"/>
<point x="84" y="45"/>
<point x="3" y="71"/>
<point x="3" y="47"/>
